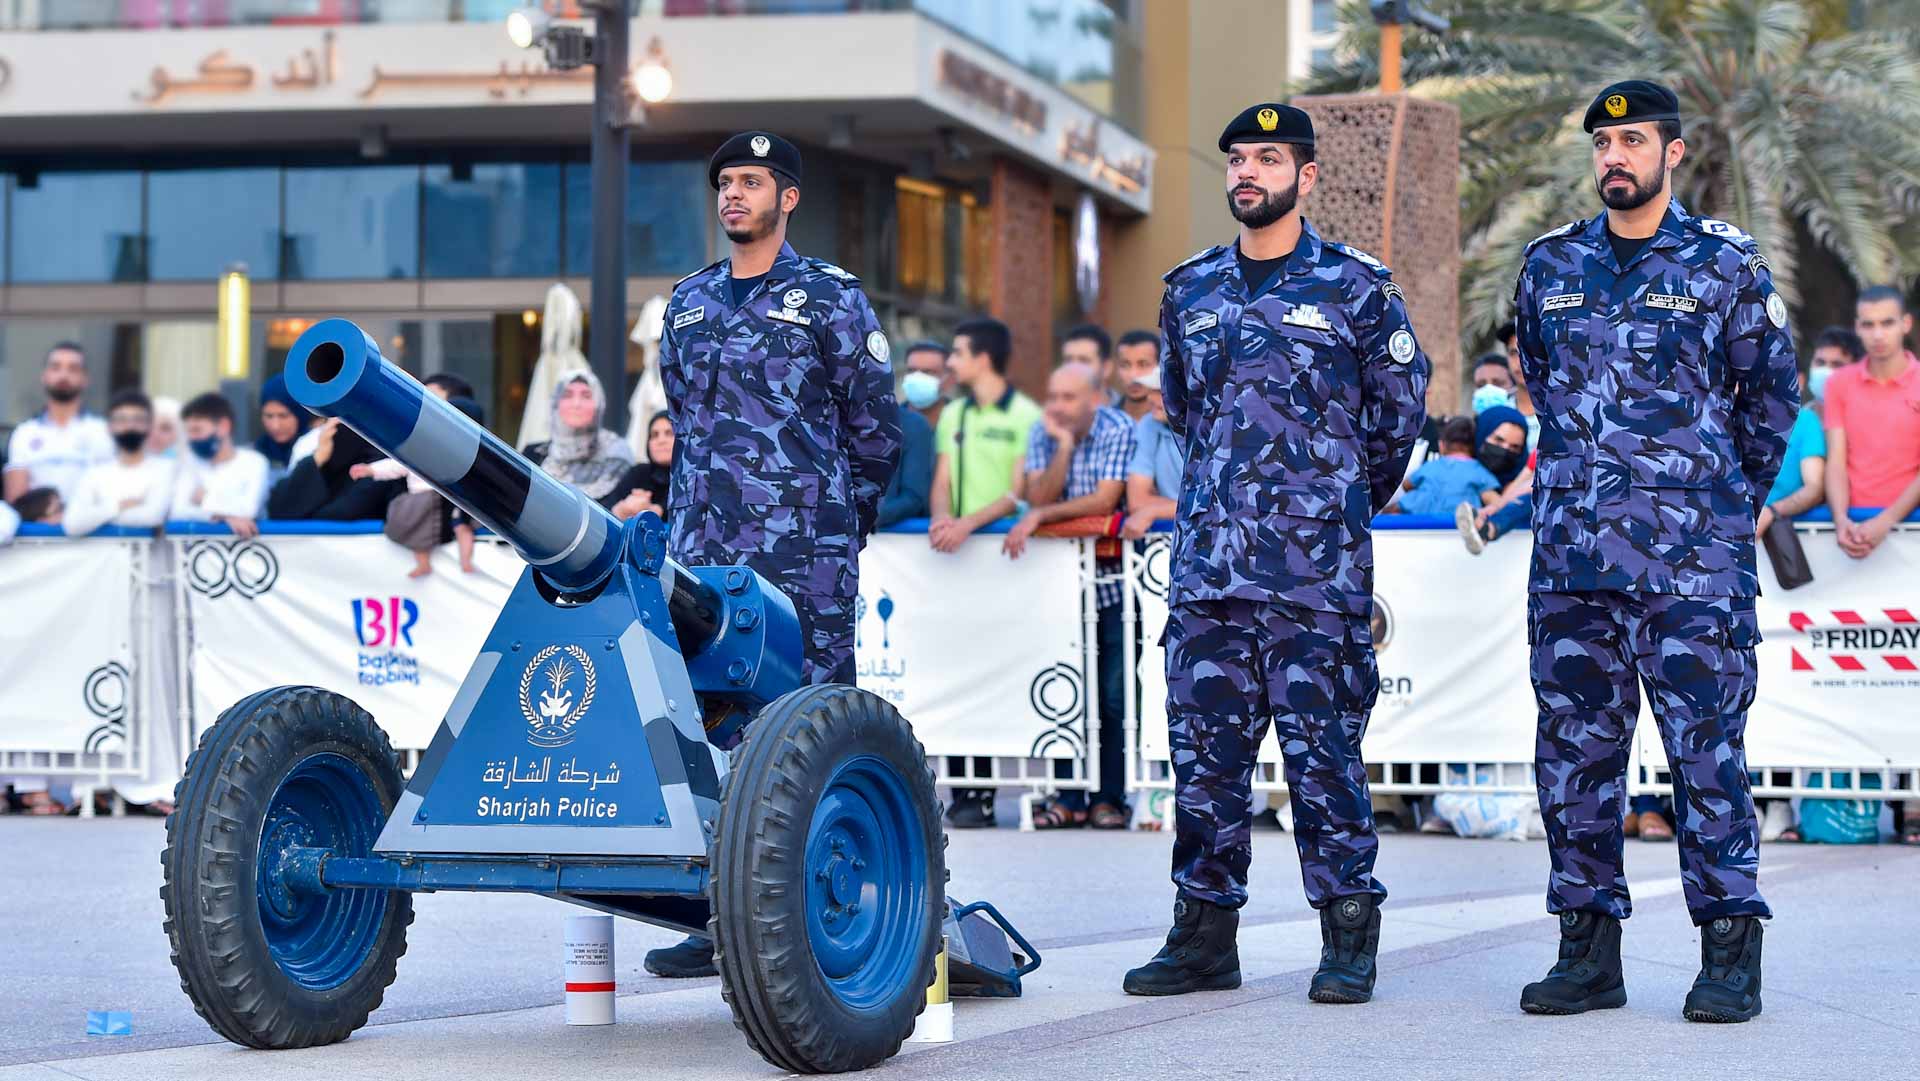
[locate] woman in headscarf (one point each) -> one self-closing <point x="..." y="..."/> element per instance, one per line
<point x="165" y="434"/>
<point x="647" y="485"/>
<point x="581" y="452"/>
<point x="321" y="487"/>
<point x="1500" y="444"/>
<point x="282" y="422"/>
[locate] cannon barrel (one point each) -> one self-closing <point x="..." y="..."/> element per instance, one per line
<point x="335" y="369"/>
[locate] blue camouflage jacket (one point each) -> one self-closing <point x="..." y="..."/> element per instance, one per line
<point x="786" y="426"/>
<point x="1296" y="409"/>
<point x="1666" y="389"/>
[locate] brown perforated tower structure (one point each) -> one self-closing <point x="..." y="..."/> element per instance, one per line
<point x="1389" y="185"/>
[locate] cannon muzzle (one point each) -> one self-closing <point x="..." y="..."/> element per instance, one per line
<point x="336" y="370"/>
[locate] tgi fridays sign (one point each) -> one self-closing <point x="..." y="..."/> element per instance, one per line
<point x="1859" y="644"/>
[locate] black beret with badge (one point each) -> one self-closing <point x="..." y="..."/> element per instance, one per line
<point x="1268" y="122"/>
<point x="1633" y="101"/>
<point x="755" y="148"/>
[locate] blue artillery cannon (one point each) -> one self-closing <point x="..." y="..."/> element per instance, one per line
<point x="633" y="737"/>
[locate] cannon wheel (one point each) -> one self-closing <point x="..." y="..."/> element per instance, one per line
<point x="827" y="884"/>
<point x="268" y="966"/>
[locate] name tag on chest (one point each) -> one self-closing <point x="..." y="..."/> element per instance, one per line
<point x="1306" y="315"/>
<point x="1672" y="303"/>
<point x="1563" y="300"/>
<point x="788" y="315"/>
<point x="689" y="317"/>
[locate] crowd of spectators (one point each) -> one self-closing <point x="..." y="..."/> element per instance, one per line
<point x="975" y="451"/>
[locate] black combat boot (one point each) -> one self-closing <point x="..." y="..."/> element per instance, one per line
<point x="1728" y="987"/>
<point x="687" y="960"/>
<point x="1349" y="940"/>
<point x="1200" y="954"/>
<point x="1587" y="976"/>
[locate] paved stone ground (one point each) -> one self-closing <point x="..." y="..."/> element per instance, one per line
<point x="478" y="990"/>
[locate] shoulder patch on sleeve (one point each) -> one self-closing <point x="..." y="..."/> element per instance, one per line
<point x="1716" y="227"/>
<point x="1196" y="257"/>
<point x="697" y="273"/>
<point x="830" y="270"/>
<point x="1392" y="290"/>
<point x="1549" y="235"/>
<point x="1757" y="263"/>
<point x="1352" y="252"/>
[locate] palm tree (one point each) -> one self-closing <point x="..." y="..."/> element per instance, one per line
<point x="1802" y="122"/>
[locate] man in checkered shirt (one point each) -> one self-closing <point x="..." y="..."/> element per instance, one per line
<point x="1077" y="456"/>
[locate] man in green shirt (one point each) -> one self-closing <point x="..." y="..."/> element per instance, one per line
<point x="981" y="444"/>
<point x="979" y="477"/>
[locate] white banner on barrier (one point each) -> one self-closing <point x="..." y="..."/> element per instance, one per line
<point x="1840" y="659"/>
<point x="1450" y="635"/>
<point x="66" y="652"/>
<point x="981" y="654"/>
<point x="339" y="612"/>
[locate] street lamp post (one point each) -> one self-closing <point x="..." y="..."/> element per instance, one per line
<point x="609" y="312"/>
<point x="566" y="48"/>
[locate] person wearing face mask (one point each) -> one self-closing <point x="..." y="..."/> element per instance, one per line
<point x="1492" y="383"/>
<point x="163" y="441"/>
<point x="912" y="483"/>
<point x="134" y="488"/>
<point x="217" y="481"/>
<point x="1500" y="444"/>
<point x="928" y="383"/>
<point x="57" y="447"/>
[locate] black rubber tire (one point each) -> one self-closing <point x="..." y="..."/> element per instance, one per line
<point x="768" y="973"/>
<point x="213" y="837"/>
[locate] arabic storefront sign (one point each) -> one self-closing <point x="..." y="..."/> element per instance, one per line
<point x="313" y="69"/>
<point x="1002" y="96"/>
<point x="1081" y="146"/>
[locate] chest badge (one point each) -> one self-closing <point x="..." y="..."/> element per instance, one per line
<point x="1562" y="300"/>
<point x="1306" y="315"/>
<point x="689" y="317"/>
<point x="1198" y="323"/>
<point x="788" y="315"/>
<point x="1672" y="303"/>
<point x="794" y="298"/>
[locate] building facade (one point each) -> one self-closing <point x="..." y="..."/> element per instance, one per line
<point x="401" y="163"/>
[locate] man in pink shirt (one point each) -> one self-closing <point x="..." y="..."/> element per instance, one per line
<point x="1873" y="425"/>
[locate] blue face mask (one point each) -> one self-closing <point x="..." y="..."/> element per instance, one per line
<point x="1487" y="397"/>
<point x="1817" y="382"/>
<point x="920" y="389"/>
<point x="204" y="449"/>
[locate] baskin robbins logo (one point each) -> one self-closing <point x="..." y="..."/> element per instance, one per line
<point x="384" y="628"/>
<point x="555" y="692"/>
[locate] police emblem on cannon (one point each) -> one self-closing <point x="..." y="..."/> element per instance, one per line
<point x="634" y="737"/>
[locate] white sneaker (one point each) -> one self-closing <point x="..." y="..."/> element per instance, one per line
<point x="1778" y="820"/>
<point x="1464" y="517"/>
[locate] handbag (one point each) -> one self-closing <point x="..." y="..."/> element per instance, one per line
<point x="1790" y="567"/>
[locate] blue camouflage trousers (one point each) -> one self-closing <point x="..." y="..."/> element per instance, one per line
<point x="826" y="638"/>
<point x="1592" y="652"/>
<point x="1233" y="667"/>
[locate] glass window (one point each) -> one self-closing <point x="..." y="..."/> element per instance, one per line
<point x="493" y="221"/>
<point x="922" y="212"/>
<point x="354" y="222"/>
<point x="201" y="220"/>
<point x="77" y="227"/>
<point x="667" y="213"/>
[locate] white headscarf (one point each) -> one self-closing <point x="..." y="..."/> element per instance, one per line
<point x="591" y="459"/>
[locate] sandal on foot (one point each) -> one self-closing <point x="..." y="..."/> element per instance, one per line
<point x="1056" y="816"/>
<point x="1105" y="816"/>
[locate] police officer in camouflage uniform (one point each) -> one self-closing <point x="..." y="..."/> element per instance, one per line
<point x="1658" y="355"/>
<point x="1292" y="378"/>
<point x="786" y="430"/>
